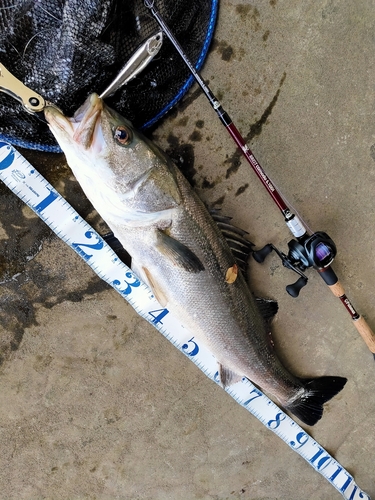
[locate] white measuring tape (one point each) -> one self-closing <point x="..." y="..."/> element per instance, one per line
<point x="22" y="178"/>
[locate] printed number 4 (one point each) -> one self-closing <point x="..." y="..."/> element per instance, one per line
<point x="157" y="318"/>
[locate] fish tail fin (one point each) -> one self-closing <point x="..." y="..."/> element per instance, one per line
<point x="308" y="407"/>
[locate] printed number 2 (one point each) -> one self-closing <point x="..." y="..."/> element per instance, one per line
<point x="94" y="246"/>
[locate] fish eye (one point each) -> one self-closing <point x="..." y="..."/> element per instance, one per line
<point x="122" y="135"/>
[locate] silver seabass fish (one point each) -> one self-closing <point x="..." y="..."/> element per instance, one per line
<point x="178" y="250"/>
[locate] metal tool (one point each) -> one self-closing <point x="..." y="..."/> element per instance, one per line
<point x="30" y="100"/>
<point x="35" y="103"/>
<point x="138" y="61"/>
<point x="309" y="253"/>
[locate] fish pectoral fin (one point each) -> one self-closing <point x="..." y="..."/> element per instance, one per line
<point x="178" y="253"/>
<point x="267" y="308"/>
<point x="156" y="289"/>
<point x="228" y="377"/>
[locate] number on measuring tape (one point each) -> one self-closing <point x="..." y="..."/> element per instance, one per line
<point x="9" y="159"/>
<point x="129" y="285"/>
<point x="52" y="196"/>
<point x="157" y="319"/>
<point x="257" y="394"/>
<point x="274" y="424"/>
<point x="301" y="439"/>
<point x="194" y="348"/>
<point x="98" y="245"/>
<point x="324" y="459"/>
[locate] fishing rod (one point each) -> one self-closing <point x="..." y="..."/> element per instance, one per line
<point x="315" y="250"/>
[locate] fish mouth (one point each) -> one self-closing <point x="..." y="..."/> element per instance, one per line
<point x="82" y="126"/>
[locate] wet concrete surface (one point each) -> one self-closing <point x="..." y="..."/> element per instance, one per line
<point x="94" y="402"/>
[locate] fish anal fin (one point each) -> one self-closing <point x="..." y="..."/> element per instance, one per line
<point x="156" y="290"/>
<point x="228" y="377"/>
<point x="178" y="253"/>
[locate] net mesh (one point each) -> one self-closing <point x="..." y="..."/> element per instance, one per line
<point x="66" y="49"/>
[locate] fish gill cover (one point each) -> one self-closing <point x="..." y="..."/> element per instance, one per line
<point x="66" y="49"/>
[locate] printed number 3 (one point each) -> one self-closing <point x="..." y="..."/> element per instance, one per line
<point x="129" y="286"/>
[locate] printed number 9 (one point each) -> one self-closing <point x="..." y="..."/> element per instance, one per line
<point x="301" y="439"/>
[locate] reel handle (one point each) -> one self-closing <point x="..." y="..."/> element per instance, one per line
<point x="260" y="255"/>
<point x="296" y="287"/>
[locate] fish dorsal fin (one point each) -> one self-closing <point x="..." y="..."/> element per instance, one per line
<point x="240" y="247"/>
<point x="178" y="253"/>
<point x="228" y="377"/>
<point x="267" y="308"/>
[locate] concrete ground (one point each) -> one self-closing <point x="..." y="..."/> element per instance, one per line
<point x="94" y="402"/>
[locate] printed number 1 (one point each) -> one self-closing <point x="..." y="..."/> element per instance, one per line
<point x="47" y="201"/>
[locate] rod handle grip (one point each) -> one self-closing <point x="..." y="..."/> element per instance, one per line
<point x="365" y="332"/>
<point x="360" y="323"/>
<point x="337" y="289"/>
